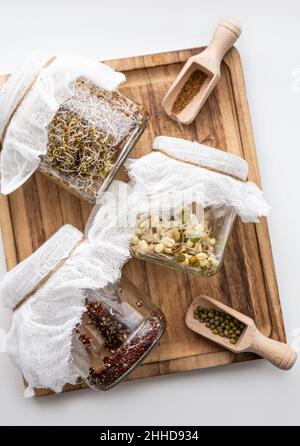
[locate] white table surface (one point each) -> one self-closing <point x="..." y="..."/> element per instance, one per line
<point x="251" y="393"/>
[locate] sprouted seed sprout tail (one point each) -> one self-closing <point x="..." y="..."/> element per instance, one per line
<point x="86" y="136"/>
<point x="183" y="240"/>
<point x="116" y="338"/>
<point x="220" y="323"/>
<point x="189" y="90"/>
<point x="119" y="362"/>
<point x="77" y="128"/>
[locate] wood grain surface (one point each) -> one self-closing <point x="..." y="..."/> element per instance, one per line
<point x="247" y="280"/>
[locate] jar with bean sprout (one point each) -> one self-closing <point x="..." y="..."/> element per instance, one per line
<point x="188" y="198"/>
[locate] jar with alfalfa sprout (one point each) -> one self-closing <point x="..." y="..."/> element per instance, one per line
<point x="189" y="196"/>
<point x="65" y="117"/>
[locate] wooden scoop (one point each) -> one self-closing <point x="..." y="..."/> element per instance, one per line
<point x="208" y="62"/>
<point x="251" y="340"/>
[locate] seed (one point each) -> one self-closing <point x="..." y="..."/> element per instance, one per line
<point x="180" y="258"/>
<point x="127" y="355"/>
<point x="142" y="247"/>
<point x="193" y="260"/>
<point x="177" y="240"/>
<point x="176" y="235"/>
<point x="202" y="256"/>
<point x="214" y="262"/>
<point x="159" y="248"/>
<point x="168" y="242"/>
<point x="188" y="91"/>
<point x="204" y="264"/>
<point x="176" y="249"/>
<point x="134" y="240"/>
<point x="147" y="237"/>
<point x="212" y="319"/>
<point x="189" y="243"/>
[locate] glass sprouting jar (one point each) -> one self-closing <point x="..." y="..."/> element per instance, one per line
<point x="65" y="117"/>
<point x="189" y="241"/>
<point x="187" y="198"/>
<point x="118" y="330"/>
<point x="90" y="137"/>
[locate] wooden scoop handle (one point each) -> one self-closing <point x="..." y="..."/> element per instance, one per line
<point x="224" y="37"/>
<point x="278" y="353"/>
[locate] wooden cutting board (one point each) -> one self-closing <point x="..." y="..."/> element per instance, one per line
<point x="247" y="280"/>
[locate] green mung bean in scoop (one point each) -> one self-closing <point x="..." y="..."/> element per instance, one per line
<point x="220" y="323"/>
<point x="235" y="331"/>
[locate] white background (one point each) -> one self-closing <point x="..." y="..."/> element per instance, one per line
<point x="250" y="393"/>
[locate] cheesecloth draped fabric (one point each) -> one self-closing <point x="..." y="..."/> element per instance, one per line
<point x="26" y="136"/>
<point x="174" y="173"/>
<point x="40" y="341"/>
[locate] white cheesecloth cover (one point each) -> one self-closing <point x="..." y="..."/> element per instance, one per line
<point x="40" y="341"/>
<point x="26" y="136"/>
<point x="171" y="175"/>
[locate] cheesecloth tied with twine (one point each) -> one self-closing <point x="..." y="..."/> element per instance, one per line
<point x="28" y="102"/>
<point x="178" y="171"/>
<point x="40" y="341"/>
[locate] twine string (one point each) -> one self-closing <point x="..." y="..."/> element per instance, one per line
<point x="21" y="99"/>
<point x="197" y="164"/>
<point x="50" y="274"/>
